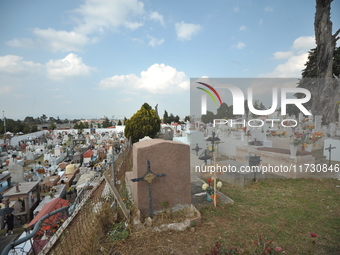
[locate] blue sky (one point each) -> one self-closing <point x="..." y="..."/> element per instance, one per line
<point x="96" y="58"/>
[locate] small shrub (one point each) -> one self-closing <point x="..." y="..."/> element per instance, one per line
<point x="119" y="232"/>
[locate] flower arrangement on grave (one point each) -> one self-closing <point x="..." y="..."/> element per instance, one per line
<point x="280" y="133"/>
<point x="207" y="187"/>
<point x="297" y="138"/>
<point x="316" y="136"/>
<point x="311" y="127"/>
<point x="52" y="192"/>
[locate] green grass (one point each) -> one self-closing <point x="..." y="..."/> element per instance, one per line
<point x="297" y="206"/>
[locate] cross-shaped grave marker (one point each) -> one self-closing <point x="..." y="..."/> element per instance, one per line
<point x="197" y="149"/>
<point x="330" y="154"/>
<point x="149" y="177"/>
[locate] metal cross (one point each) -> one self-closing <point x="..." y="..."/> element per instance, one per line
<point x="329" y="151"/>
<point x="149" y="177"/>
<point x="197" y="149"/>
<point x="204" y="156"/>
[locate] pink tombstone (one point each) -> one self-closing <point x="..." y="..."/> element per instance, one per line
<point x="168" y="157"/>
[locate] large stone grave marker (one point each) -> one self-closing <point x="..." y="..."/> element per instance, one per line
<point x="318" y="121"/>
<point x="166" y="157"/>
<point x="17" y="173"/>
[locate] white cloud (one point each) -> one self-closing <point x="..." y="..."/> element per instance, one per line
<point x="157" y="17"/>
<point x="283" y="54"/>
<point x="61" y="40"/>
<point x="12" y="64"/>
<point x="260" y="22"/>
<point x="236" y="9"/>
<point x="71" y="65"/>
<point x="138" y="40"/>
<point x="94" y="16"/>
<point x="186" y="30"/>
<point x="304" y="43"/>
<point x="21" y="43"/>
<point x="268" y="9"/>
<point x="154" y="41"/>
<point x="240" y="45"/>
<point x="97" y="15"/>
<point x="157" y="79"/>
<point x="291" y="68"/>
<point x="243" y="28"/>
<point x="296" y="58"/>
<point x="5" y="90"/>
<point x="119" y="81"/>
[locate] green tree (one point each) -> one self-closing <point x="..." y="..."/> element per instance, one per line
<point x="106" y="123"/>
<point x="34" y="128"/>
<point x="165" y="117"/>
<point x="76" y="125"/>
<point x="26" y="129"/>
<point x="119" y="123"/>
<point x="52" y="126"/>
<point x="81" y="126"/>
<point x="187" y="118"/>
<point x="209" y="117"/>
<point x="43" y="118"/>
<point x="29" y="120"/>
<point x="224" y="111"/>
<point x="144" y="122"/>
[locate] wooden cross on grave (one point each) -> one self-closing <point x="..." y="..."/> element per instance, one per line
<point x="149" y="177"/>
<point x="197" y="149"/>
<point x="329" y="151"/>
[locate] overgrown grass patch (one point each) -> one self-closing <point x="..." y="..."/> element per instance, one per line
<point x="297" y="206"/>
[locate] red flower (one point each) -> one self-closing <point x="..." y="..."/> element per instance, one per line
<point x="313" y="235"/>
<point x="255" y="242"/>
<point x="209" y="181"/>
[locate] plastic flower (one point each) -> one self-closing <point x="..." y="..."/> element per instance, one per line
<point x="205" y="186"/>
<point x="219" y="184"/>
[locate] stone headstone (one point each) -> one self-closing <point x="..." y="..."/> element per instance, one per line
<point x="318" y="121"/>
<point x="171" y="158"/>
<point x="17" y="173"/>
<point x="168" y="133"/>
<point x="57" y="150"/>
